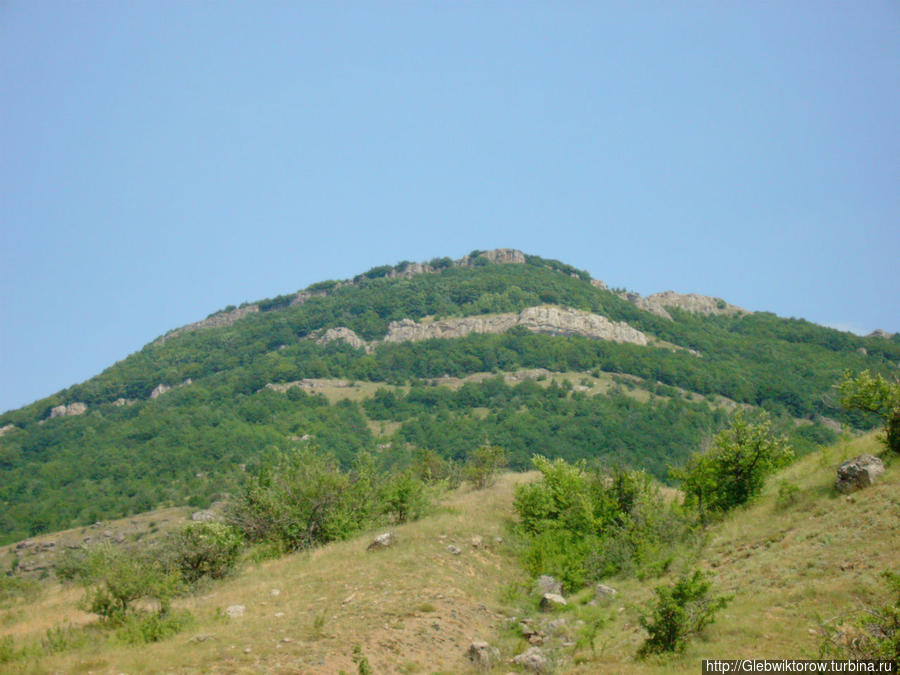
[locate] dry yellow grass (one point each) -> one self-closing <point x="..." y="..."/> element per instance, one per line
<point x="416" y="607"/>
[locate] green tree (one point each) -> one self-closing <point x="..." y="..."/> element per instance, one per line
<point x="483" y="464"/>
<point x="734" y="470"/>
<point x="874" y="395"/>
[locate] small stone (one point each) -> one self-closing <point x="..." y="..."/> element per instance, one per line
<point x="234" y="611"/>
<point x="455" y="550"/>
<point x="604" y="591"/>
<point x="247" y="650"/>
<point x="275" y="592"/>
<point x="286" y="639"/>
<point x="278" y="615"/>
<point x="382" y="541"/>
<point x="477" y="542"/>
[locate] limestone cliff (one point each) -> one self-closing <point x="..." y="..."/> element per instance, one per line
<point x="690" y="302"/>
<point x="545" y="319"/>
<point x="342" y="334"/>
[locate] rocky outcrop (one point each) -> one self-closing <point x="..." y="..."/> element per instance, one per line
<point x="497" y="256"/>
<point x="694" y="303"/>
<point x="162" y="388"/>
<point x="68" y="410"/>
<point x="881" y="333"/>
<point x="858" y="473"/>
<point x="645" y="304"/>
<point x="342" y="334"/>
<point x="5" y="429"/>
<point x="545" y="319"/>
<point x="690" y="302"/>
<point x="217" y="320"/>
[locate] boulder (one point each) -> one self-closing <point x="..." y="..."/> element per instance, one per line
<point x="482" y="655"/>
<point x="858" y="473"/>
<point x="203" y="516"/>
<point x="533" y="660"/>
<point x="382" y="541"/>
<point x="550" y="601"/>
<point x="235" y="611"/>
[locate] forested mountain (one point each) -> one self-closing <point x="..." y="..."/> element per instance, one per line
<point x="496" y="348"/>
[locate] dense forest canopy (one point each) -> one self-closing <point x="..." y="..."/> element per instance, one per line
<point x="129" y="451"/>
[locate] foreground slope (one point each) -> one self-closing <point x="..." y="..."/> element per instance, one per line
<point x="416" y="607"/>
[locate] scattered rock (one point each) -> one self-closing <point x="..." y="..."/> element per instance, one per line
<point x="547" y="584"/>
<point x="204" y="516"/>
<point x="477" y="542"/>
<point x="68" y="410"/>
<point x="382" y="541"/>
<point x="275" y="592"/>
<point x="604" y="591"/>
<point x="483" y="655"/>
<point x="235" y="611"/>
<point x="556" y="625"/>
<point x="286" y="639"/>
<point x="202" y="637"/>
<point x="858" y="473"/>
<point x="551" y="601"/>
<point x="534" y="660"/>
<point x="159" y="390"/>
<point x="455" y="550"/>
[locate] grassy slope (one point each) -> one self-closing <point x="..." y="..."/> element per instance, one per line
<point x="416" y="607"/>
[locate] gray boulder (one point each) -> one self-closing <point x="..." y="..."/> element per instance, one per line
<point x="859" y="472"/>
<point x="482" y="655"/>
<point x="551" y="601"/>
<point x="382" y="541"/>
<point x="533" y="660"/>
<point x="547" y="584"/>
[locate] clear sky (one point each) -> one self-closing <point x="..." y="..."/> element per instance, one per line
<point x="161" y="160"/>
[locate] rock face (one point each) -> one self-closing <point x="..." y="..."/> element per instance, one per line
<point x="545" y="319"/>
<point x="68" y="410"/>
<point x="690" y="302"/>
<point x="696" y="304"/>
<point x="859" y="472"/>
<point x="342" y="334"/>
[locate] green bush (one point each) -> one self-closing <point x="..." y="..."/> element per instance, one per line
<point x="483" y="464"/>
<point x="581" y="525"/>
<point x="146" y="627"/>
<point x="116" y="579"/>
<point x="734" y="470"/>
<point x="403" y="497"/>
<point x="681" y="612"/>
<point x="202" y="550"/>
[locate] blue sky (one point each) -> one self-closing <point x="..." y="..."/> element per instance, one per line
<point x="161" y="160"/>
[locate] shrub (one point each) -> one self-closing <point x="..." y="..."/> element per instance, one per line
<point x="202" y="550"/>
<point x="152" y="627"/>
<point x="734" y="470"/>
<point x="403" y="497"/>
<point x="581" y="525"/>
<point x="873" y="633"/>
<point x="302" y="499"/>
<point x="115" y="580"/>
<point x="483" y="464"/>
<point x="681" y="612"/>
<point x="877" y="396"/>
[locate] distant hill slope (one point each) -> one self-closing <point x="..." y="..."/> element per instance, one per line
<point x="179" y="421"/>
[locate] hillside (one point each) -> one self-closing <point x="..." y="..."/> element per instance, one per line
<point x="416" y="607"/>
<point x="413" y="356"/>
